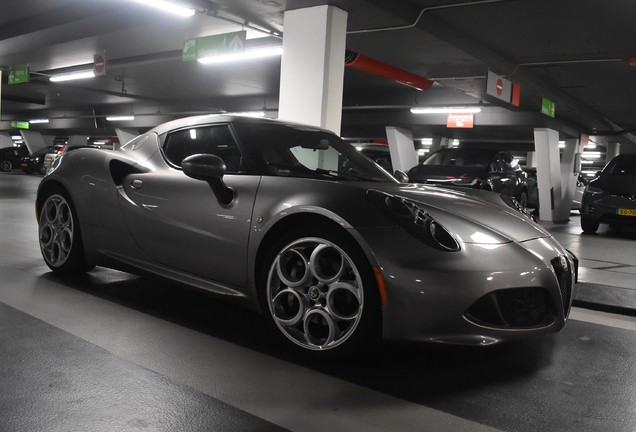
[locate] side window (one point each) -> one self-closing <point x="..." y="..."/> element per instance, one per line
<point x="498" y="165"/>
<point x="215" y="140"/>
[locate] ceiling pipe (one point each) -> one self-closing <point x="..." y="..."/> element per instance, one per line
<point x="375" y="67"/>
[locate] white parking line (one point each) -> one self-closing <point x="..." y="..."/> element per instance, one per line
<point x="604" y="318"/>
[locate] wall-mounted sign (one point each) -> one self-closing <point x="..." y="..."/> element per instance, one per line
<point x="20" y="125"/>
<point x="548" y="107"/>
<point x="19" y="75"/>
<point x="215" y="45"/>
<point x="460" y="120"/>
<point x="99" y="64"/>
<point x="498" y="87"/>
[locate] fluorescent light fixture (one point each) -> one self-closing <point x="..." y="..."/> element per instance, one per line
<point x="428" y="141"/>
<point x="446" y="110"/>
<point x="39" y="121"/>
<point x="73" y="76"/>
<point x="169" y="7"/>
<point x="16" y="137"/>
<point x="590" y="145"/>
<point x="591" y="155"/>
<point x="247" y="113"/>
<point x="589" y="162"/>
<point x="247" y="55"/>
<point x="99" y="142"/>
<point x="120" y="118"/>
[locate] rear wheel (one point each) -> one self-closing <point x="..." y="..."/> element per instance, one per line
<point x="6" y="165"/>
<point x="59" y="235"/>
<point x="523" y="199"/>
<point x="319" y="292"/>
<point x="589" y="226"/>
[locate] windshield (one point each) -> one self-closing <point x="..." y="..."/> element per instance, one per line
<point x="296" y="151"/>
<point x="459" y="157"/>
<point x="621" y="165"/>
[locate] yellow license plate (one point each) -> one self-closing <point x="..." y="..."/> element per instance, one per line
<point x="24" y="164"/>
<point x="626" y="212"/>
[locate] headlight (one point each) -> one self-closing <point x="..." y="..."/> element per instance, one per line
<point x="414" y="220"/>
<point x="468" y="181"/>
<point x="593" y="189"/>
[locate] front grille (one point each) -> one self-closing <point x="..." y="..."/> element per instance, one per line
<point x="513" y="307"/>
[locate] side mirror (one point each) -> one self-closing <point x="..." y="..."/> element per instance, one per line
<point x="209" y="168"/>
<point x="401" y="176"/>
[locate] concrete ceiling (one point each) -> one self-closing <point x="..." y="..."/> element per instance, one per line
<point x="574" y="52"/>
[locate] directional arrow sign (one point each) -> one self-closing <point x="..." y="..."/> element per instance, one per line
<point x="19" y="75"/>
<point x="216" y="45"/>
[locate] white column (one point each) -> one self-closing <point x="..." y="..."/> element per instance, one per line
<point x="401" y="147"/>
<point x="125" y="135"/>
<point x="312" y="69"/>
<point x="613" y="149"/>
<point x="5" y="140"/>
<point x="570" y="168"/>
<point x="438" y="143"/>
<point x="33" y="140"/>
<point x="546" y="145"/>
<point x="531" y="159"/>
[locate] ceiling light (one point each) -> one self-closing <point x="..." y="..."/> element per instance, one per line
<point x="16" y="137"/>
<point x="169" y="7"/>
<point x="446" y="110"/>
<point x="39" y="121"/>
<point x="247" y="113"/>
<point x="247" y="55"/>
<point x="73" y="76"/>
<point x="120" y="118"/>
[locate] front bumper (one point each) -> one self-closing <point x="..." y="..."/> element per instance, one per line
<point x="482" y="295"/>
<point x="605" y="208"/>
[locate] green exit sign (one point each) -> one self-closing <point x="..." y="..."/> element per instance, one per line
<point x="19" y="75"/>
<point x="548" y="107"/>
<point x="213" y="46"/>
<point x="20" y="125"/>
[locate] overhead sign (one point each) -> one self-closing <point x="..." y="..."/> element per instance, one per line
<point x="99" y="64"/>
<point x="498" y="87"/>
<point x="460" y="120"/>
<point x="20" y="125"/>
<point x="215" y="45"/>
<point x="19" y="75"/>
<point x="548" y="107"/>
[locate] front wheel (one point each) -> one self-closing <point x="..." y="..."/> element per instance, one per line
<point x="6" y="165"/>
<point x="320" y="293"/>
<point x="523" y="199"/>
<point x="59" y="235"/>
<point x="589" y="226"/>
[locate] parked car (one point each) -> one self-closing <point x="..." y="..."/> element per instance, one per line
<point x="476" y="168"/>
<point x="292" y="221"/>
<point x="378" y="153"/>
<point x="35" y="161"/>
<point x="611" y="196"/>
<point x="533" y="188"/>
<point x="10" y="157"/>
<point x="54" y="152"/>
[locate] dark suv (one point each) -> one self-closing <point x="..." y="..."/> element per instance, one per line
<point x="477" y="168"/>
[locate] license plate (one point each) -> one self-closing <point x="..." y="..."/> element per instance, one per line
<point x="49" y="158"/>
<point x="24" y="164"/>
<point x="626" y="212"/>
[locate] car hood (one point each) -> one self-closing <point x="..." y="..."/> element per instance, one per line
<point x="422" y="173"/>
<point x="472" y="215"/>
<point x="617" y="184"/>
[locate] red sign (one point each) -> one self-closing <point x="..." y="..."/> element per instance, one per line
<point x="460" y="120"/>
<point x="99" y="64"/>
<point x="499" y="87"/>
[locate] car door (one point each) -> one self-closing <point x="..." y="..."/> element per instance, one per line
<point x="179" y="222"/>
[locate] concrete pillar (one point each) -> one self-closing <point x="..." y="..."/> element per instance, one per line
<point x="531" y="159"/>
<point x="546" y="144"/>
<point x="613" y="149"/>
<point x="77" y="140"/>
<point x="439" y="143"/>
<point x="5" y="140"/>
<point x="33" y="140"/>
<point x="124" y="135"/>
<point x="402" y="148"/>
<point x="570" y="168"/>
<point x="312" y="69"/>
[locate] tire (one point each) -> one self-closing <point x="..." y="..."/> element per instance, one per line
<point x="523" y="199"/>
<point x="6" y="165"/>
<point x="59" y="235"/>
<point x="589" y="226"/>
<point x="41" y="169"/>
<point x="320" y="295"/>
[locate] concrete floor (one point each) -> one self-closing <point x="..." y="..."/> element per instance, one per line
<point x="115" y="352"/>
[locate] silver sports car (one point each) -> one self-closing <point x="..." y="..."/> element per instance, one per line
<point x="295" y="223"/>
